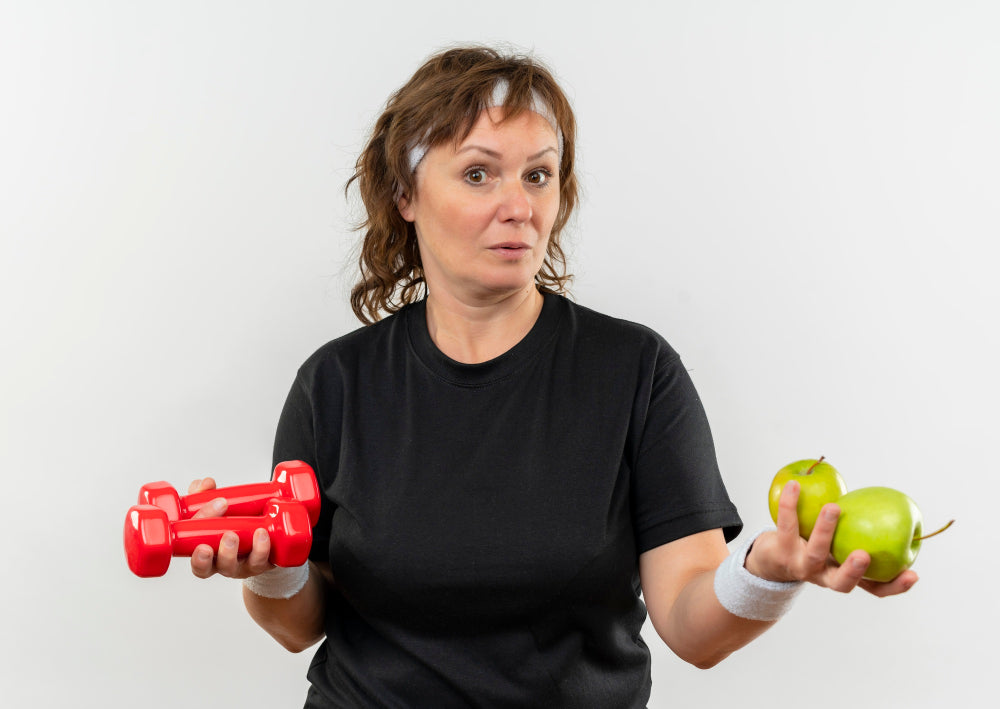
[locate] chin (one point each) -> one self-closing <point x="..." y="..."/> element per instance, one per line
<point x="507" y="280"/>
<point x="498" y="290"/>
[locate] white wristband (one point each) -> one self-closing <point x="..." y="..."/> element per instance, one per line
<point x="748" y="596"/>
<point x="279" y="582"/>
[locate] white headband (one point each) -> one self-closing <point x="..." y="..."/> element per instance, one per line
<point x="497" y="100"/>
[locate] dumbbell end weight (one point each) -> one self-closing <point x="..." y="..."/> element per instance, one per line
<point x="163" y="495"/>
<point x="290" y="530"/>
<point x="298" y="479"/>
<point x="148" y="544"/>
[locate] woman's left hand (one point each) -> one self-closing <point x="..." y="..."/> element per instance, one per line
<point x="783" y="555"/>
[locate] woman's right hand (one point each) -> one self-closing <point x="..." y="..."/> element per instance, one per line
<point x="206" y="561"/>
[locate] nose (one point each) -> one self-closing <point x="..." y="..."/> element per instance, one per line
<point x="515" y="204"/>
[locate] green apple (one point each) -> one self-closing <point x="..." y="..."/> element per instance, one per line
<point x="885" y="523"/>
<point x="819" y="483"/>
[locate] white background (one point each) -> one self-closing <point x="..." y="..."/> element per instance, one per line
<point x="802" y="197"/>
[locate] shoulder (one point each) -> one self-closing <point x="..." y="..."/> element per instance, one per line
<point x="616" y="334"/>
<point x="369" y="344"/>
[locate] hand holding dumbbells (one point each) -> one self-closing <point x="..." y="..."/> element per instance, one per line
<point x="161" y="525"/>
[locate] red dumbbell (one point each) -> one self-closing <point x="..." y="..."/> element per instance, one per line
<point x="292" y="479"/>
<point x="151" y="539"/>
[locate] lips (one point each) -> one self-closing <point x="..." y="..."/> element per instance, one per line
<point x="511" y="251"/>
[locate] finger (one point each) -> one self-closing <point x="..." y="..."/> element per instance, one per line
<point x="847" y="576"/>
<point x="821" y="538"/>
<point x="201" y="484"/>
<point x="215" y="508"/>
<point x="201" y="561"/>
<point x="826" y="525"/>
<point x="227" y="560"/>
<point x="257" y="562"/>
<point x="901" y="584"/>
<point x="788" y="517"/>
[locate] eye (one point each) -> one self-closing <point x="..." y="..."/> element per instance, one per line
<point x="539" y="178"/>
<point x="475" y="175"/>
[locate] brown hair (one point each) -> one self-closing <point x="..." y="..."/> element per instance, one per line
<point x="441" y="103"/>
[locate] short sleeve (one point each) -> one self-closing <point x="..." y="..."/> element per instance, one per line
<point x="295" y="440"/>
<point x="677" y="486"/>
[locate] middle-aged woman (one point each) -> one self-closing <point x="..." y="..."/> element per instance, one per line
<point x="511" y="481"/>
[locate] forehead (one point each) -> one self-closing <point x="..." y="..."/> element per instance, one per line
<point x="493" y="125"/>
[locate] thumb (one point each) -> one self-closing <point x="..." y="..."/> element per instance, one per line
<point x="215" y="508"/>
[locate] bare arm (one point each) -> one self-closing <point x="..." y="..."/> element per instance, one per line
<point x="678" y="581"/>
<point x="297" y="622"/>
<point x="677" y="585"/>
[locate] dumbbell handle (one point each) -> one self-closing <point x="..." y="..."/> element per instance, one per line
<point x="244" y="500"/>
<point x="188" y="534"/>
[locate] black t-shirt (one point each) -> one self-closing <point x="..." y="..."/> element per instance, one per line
<point x="483" y="522"/>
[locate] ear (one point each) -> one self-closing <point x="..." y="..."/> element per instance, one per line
<point x="405" y="207"/>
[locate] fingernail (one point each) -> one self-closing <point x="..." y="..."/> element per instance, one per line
<point x="859" y="564"/>
<point x="262" y="534"/>
<point x="204" y="556"/>
<point x="219" y="505"/>
<point x="229" y="541"/>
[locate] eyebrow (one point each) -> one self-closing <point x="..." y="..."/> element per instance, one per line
<point x="497" y="155"/>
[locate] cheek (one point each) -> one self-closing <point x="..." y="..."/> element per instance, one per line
<point x="460" y="219"/>
<point x="548" y="204"/>
<point x="449" y="231"/>
<point x="545" y="215"/>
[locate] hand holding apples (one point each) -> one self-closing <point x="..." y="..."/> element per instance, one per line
<point x="783" y="555"/>
<point x="883" y="524"/>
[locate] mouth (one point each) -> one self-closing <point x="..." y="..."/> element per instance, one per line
<point x="510" y="246"/>
<point x="510" y="251"/>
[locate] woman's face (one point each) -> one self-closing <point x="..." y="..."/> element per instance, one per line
<point x="484" y="208"/>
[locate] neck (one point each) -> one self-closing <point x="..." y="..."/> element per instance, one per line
<point x="478" y="332"/>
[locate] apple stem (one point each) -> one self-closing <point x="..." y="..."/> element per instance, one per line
<point x="928" y="536"/>
<point x="810" y="471"/>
